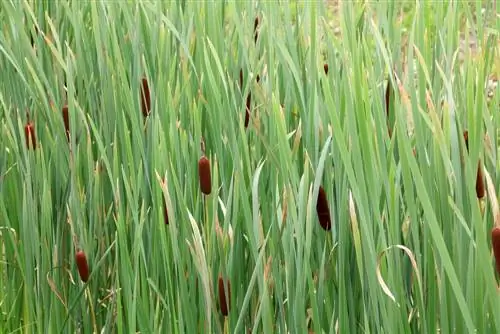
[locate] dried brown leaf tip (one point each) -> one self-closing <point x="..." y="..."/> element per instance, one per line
<point x="204" y="175"/>
<point x="82" y="265"/>
<point x="323" y="210"/>
<point x="256" y="29"/>
<point x="145" y="98"/>
<point x="325" y="67"/>
<point x="480" y="190"/>
<point x="66" y="120"/>
<point x="224" y="296"/>
<point x="495" y="241"/>
<point x="30" y="136"/>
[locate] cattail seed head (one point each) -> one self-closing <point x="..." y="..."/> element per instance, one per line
<point x="495" y="241"/>
<point x="224" y="300"/>
<point x="30" y="136"/>
<point x="480" y="191"/>
<point x="145" y="98"/>
<point x="83" y="267"/>
<point x="66" y="120"/>
<point x="387" y="105"/>
<point x="325" y="67"/>
<point x="247" y="111"/>
<point x="204" y="175"/>
<point x="323" y="210"/>
<point x="255" y="29"/>
<point x="466" y="139"/>
<point x="258" y="78"/>
<point x="165" y="210"/>
<point x="241" y="79"/>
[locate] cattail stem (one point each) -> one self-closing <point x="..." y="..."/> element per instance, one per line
<point x="495" y="242"/>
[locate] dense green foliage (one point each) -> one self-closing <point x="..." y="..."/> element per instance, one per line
<point x="409" y="248"/>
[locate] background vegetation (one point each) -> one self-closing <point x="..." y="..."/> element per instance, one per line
<point x="409" y="249"/>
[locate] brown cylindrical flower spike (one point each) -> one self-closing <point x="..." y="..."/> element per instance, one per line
<point x="29" y="134"/>
<point x="204" y="175"/>
<point x="255" y="29"/>
<point x="387" y="106"/>
<point x="224" y="300"/>
<point x="145" y="98"/>
<point x="325" y="67"/>
<point x="66" y="120"/>
<point x="82" y="265"/>
<point x="495" y="241"/>
<point x="480" y="191"/>
<point x="247" y="111"/>
<point x="165" y="211"/>
<point x="323" y="210"/>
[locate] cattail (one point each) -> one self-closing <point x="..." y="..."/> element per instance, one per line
<point x="224" y="301"/>
<point x="83" y="267"/>
<point x="66" y="120"/>
<point x="325" y="67"/>
<point x="387" y="105"/>
<point x="323" y="211"/>
<point x="145" y="98"/>
<point x="165" y="211"/>
<point x="480" y="181"/>
<point x="247" y="111"/>
<point x="255" y="29"/>
<point x="258" y="78"/>
<point x="204" y="174"/>
<point x="29" y="132"/>
<point x="466" y="139"/>
<point x="495" y="241"/>
<point x="241" y="79"/>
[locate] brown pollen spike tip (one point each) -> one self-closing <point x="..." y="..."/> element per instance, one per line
<point x="323" y="210"/>
<point x="224" y="300"/>
<point x="204" y="175"/>
<point x="325" y="67"/>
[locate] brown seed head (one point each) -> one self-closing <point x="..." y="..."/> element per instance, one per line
<point x="480" y="191"/>
<point x="204" y="175"/>
<point x="83" y="267"/>
<point x="145" y="98"/>
<point x="466" y="139"/>
<point x="29" y="134"/>
<point x="66" y="120"/>
<point x="247" y="111"/>
<point x="224" y="300"/>
<point x="495" y="241"/>
<point x="241" y="79"/>
<point x="325" y="67"/>
<point x="255" y="27"/>
<point x="323" y="210"/>
<point x="165" y="211"/>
